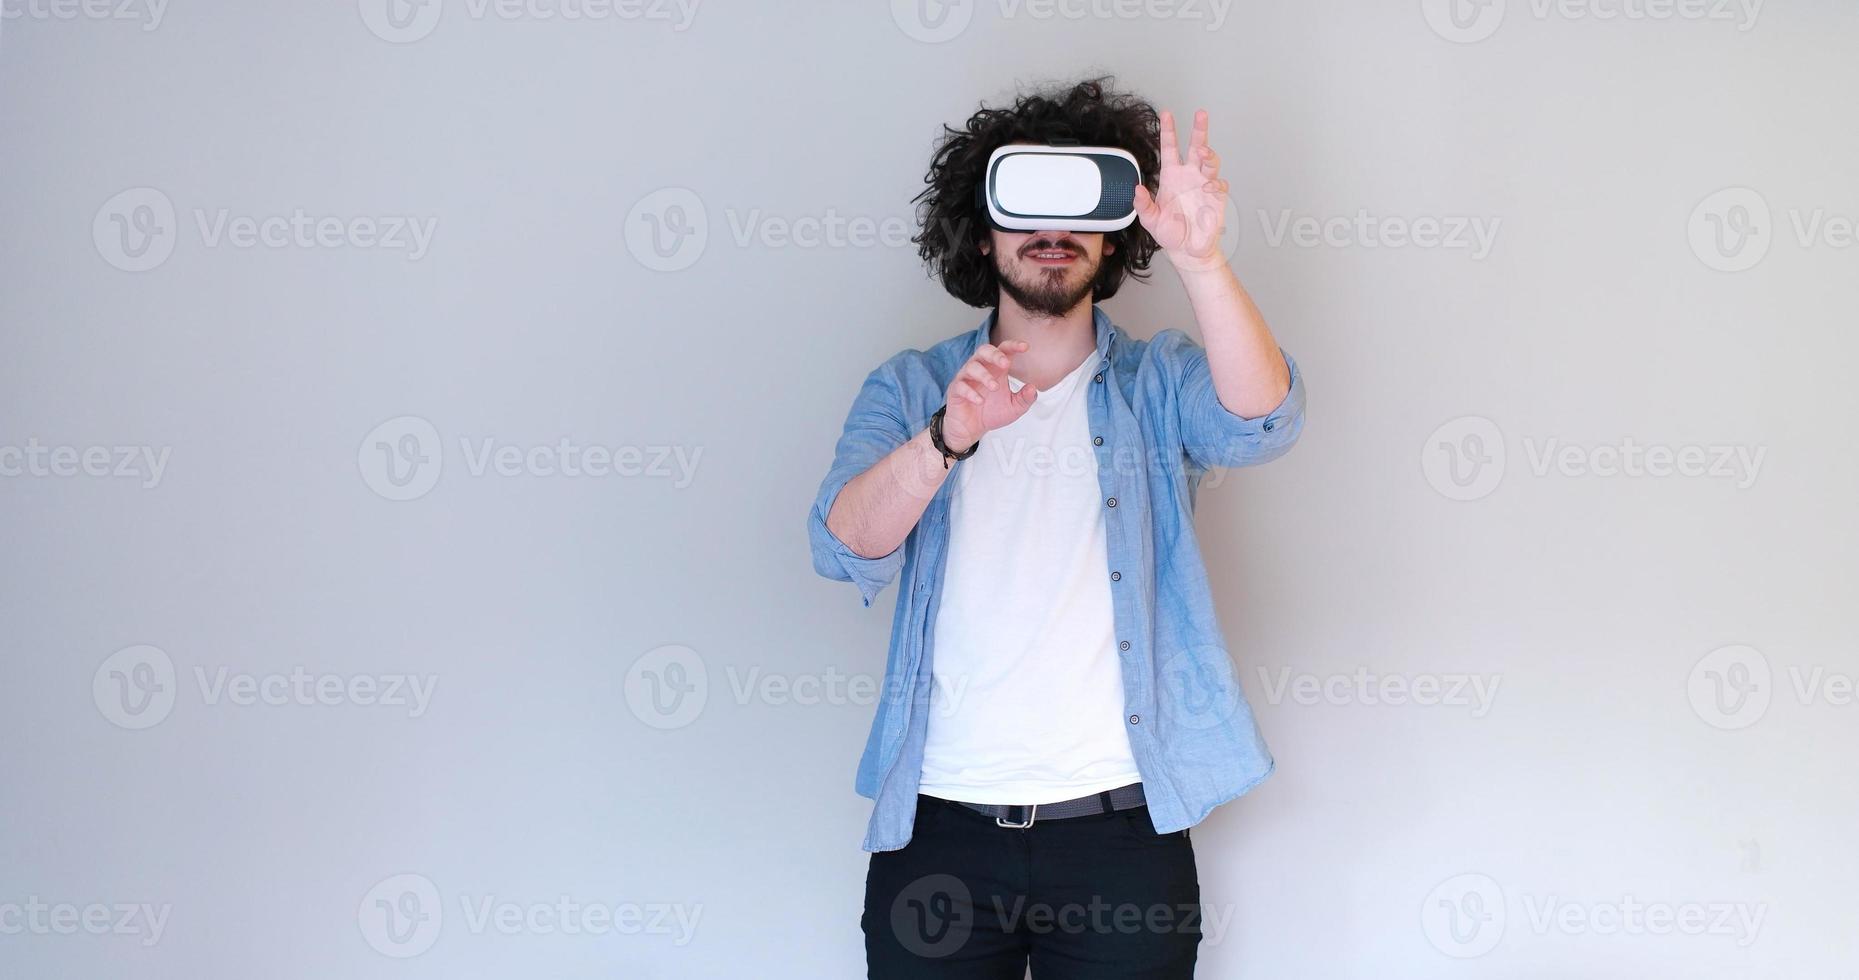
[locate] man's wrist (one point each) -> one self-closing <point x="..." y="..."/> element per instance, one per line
<point x="951" y="447"/>
<point x="1193" y="269"/>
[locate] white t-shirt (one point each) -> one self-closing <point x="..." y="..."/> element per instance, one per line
<point x="1027" y="705"/>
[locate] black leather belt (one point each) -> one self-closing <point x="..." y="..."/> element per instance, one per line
<point x="1017" y="816"/>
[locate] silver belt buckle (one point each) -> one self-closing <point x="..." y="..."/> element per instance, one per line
<point x="1031" y="813"/>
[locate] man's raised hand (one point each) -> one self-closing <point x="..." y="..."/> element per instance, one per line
<point x="980" y="400"/>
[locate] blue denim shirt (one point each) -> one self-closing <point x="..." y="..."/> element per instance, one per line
<point x="1152" y="403"/>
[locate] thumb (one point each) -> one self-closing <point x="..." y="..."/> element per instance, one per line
<point x="1024" y="398"/>
<point x="1145" y="204"/>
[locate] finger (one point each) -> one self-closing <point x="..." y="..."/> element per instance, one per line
<point x="1210" y="162"/>
<point x="1003" y="355"/>
<point x="1199" y="136"/>
<point x="989" y="356"/>
<point x="1146" y="208"/>
<point x="964" y="390"/>
<point x="1170" y="154"/>
<point x="1024" y="398"/>
<point x="979" y="373"/>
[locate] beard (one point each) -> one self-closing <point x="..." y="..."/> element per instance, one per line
<point x="1045" y="292"/>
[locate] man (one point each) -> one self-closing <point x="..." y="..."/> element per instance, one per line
<point x="1059" y="705"/>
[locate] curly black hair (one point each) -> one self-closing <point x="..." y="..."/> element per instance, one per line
<point x="952" y="227"/>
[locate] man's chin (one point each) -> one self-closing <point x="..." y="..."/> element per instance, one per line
<point x="1051" y="294"/>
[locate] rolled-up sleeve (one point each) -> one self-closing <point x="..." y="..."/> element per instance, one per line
<point x="874" y="428"/>
<point x="1212" y="436"/>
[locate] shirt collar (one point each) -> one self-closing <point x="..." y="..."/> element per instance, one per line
<point x="1106" y="331"/>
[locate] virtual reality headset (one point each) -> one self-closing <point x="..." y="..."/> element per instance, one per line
<point x="1059" y="187"/>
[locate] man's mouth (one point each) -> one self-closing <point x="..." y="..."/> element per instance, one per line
<point x="1051" y="256"/>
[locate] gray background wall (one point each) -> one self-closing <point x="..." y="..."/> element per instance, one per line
<point x="1655" y="779"/>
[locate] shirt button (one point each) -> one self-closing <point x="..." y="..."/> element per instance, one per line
<point x="1125" y="645"/>
<point x="1112" y="502"/>
<point x="1099" y="378"/>
<point x="1116" y="576"/>
<point x="1097" y="441"/>
<point x="1136" y="719"/>
<point x="1268" y="425"/>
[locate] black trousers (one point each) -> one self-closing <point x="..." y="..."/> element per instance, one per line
<point x="1078" y="898"/>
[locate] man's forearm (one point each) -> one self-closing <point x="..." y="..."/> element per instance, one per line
<point x="875" y="511"/>
<point x="1248" y="370"/>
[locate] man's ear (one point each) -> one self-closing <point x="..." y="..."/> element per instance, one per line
<point x="987" y="245"/>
